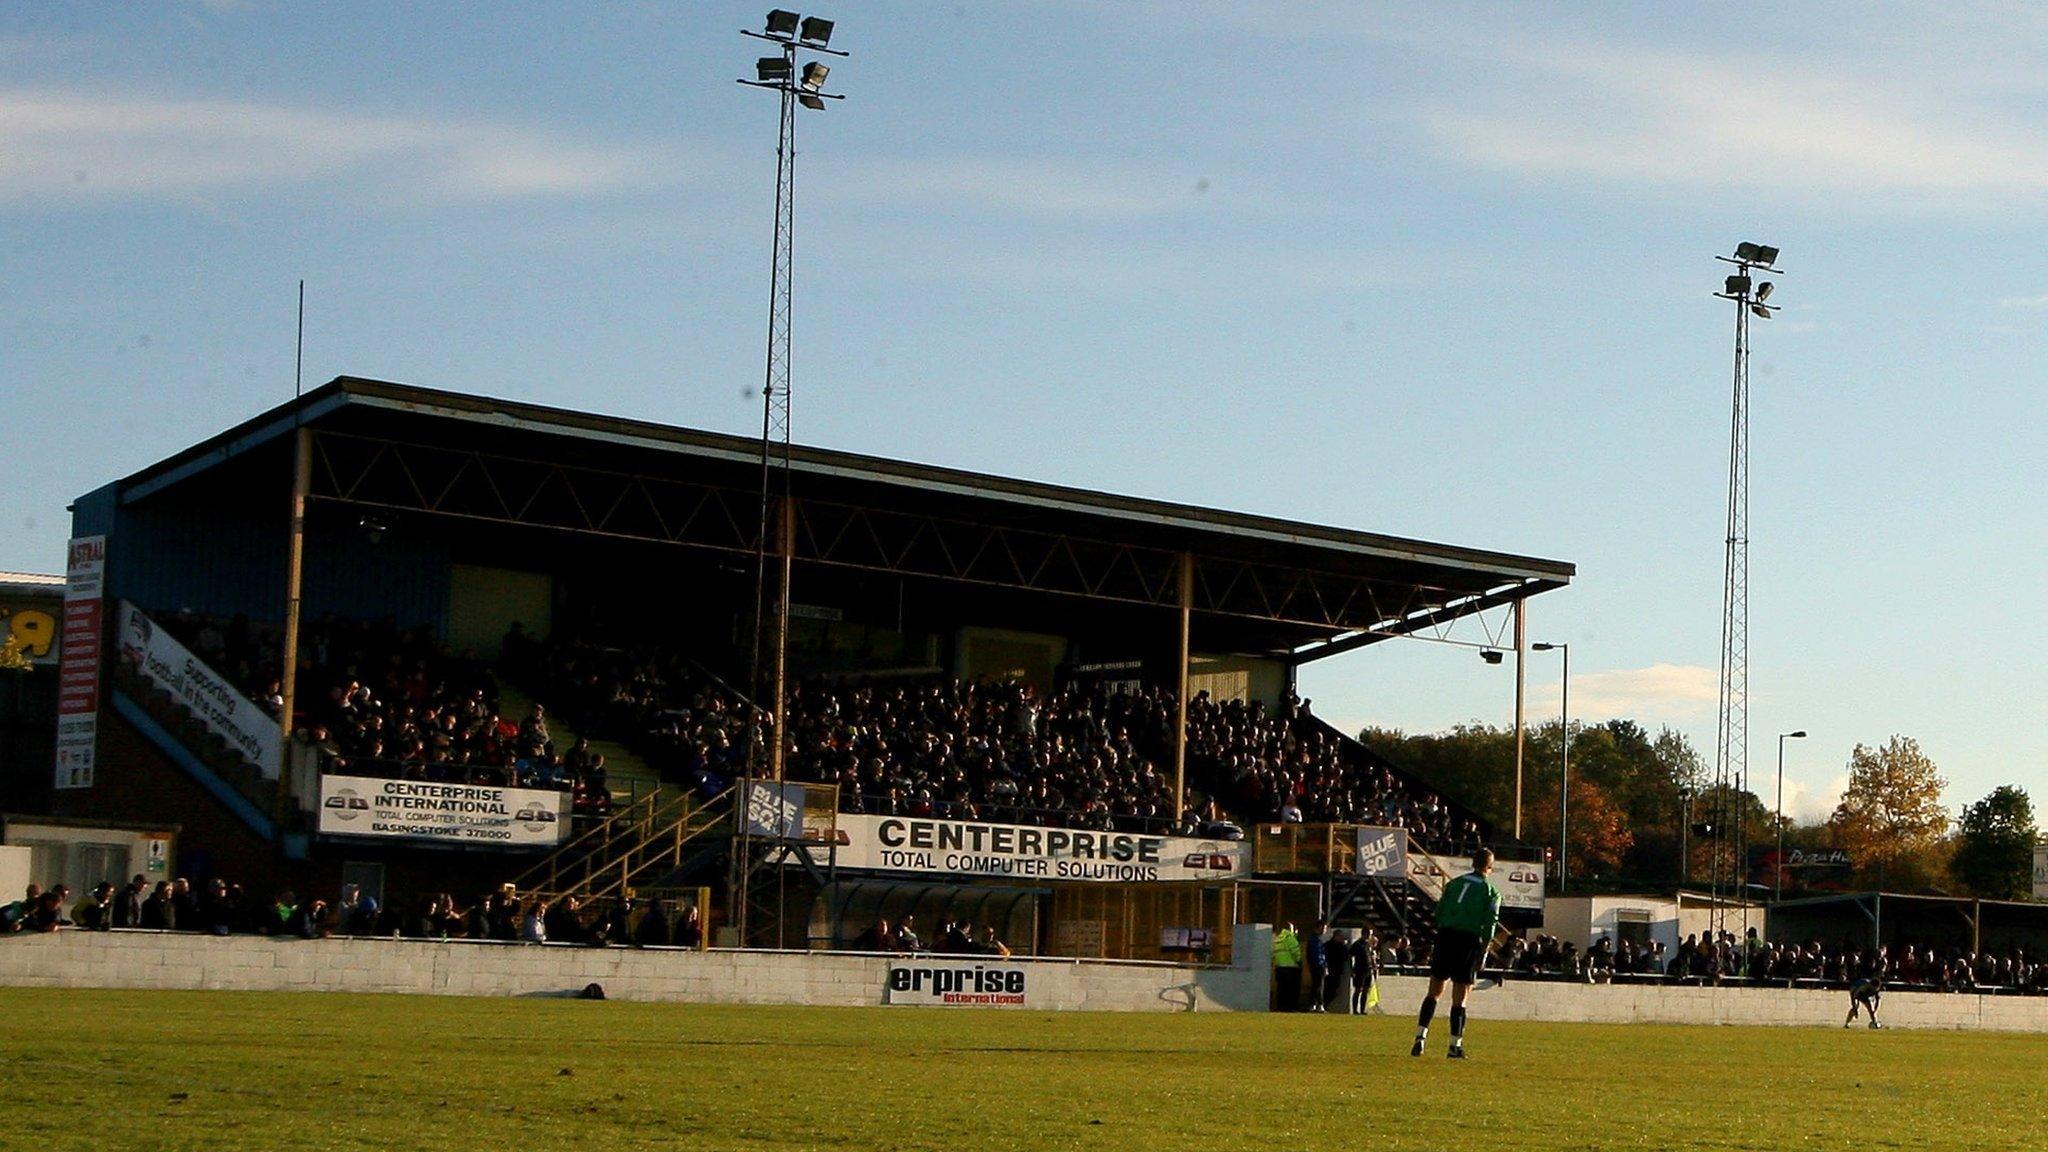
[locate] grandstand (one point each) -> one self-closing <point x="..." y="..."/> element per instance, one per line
<point x="522" y="653"/>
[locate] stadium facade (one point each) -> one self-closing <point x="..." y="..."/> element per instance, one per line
<point x="459" y="517"/>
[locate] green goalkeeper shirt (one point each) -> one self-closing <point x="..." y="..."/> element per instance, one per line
<point x="1470" y="903"/>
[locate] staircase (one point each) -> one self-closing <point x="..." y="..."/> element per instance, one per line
<point x="648" y="841"/>
<point x="627" y="775"/>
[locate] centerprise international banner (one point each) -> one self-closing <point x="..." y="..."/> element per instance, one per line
<point x="960" y="848"/>
<point x="941" y="984"/>
<point x="450" y="813"/>
<point x="1520" y="881"/>
<point x="220" y="706"/>
<point x="2041" y="873"/>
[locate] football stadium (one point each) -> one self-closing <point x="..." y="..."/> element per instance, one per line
<point x="458" y="764"/>
<point x="522" y="774"/>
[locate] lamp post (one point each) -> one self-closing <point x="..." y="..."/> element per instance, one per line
<point x="1564" y="755"/>
<point x="1778" y="879"/>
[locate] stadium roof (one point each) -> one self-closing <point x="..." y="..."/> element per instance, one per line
<point x="31" y="584"/>
<point x="407" y="448"/>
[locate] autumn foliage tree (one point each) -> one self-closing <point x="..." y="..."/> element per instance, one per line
<point x="1891" y="819"/>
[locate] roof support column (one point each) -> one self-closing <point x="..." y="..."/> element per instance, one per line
<point x="1521" y="685"/>
<point x="1180" y="697"/>
<point x="779" y="702"/>
<point x="294" y="571"/>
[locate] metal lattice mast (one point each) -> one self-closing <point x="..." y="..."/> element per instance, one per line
<point x="791" y="34"/>
<point x="1731" y="736"/>
<point x="775" y="389"/>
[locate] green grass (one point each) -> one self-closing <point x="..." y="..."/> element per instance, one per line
<point x="149" y="1070"/>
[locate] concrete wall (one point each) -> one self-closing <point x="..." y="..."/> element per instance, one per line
<point x="1651" y="1004"/>
<point x="469" y="968"/>
<point x="474" y="968"/>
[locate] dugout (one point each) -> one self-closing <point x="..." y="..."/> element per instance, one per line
<point x="1895" y="919"/>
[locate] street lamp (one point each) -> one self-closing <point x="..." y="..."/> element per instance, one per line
<point x="1564" y="755"/>
<point x="1778" y="888"/>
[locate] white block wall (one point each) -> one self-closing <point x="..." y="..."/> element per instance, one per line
<point x="472" y="968"/>
<point x="1648" y="1004"/>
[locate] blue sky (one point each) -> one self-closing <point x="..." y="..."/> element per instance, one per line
<point x="1440" y="271"/>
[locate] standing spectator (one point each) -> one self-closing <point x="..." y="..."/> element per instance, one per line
<point x="13" y="916"/>
<point x="1365" y="968"/>
<point x="95" y="913"/>
<point x="308" y="921"/>
<point x="533" y="928"/>
<point x="906" y="936"/>
<point x="47" y="912"/>
<point x="652" y="931"/>
<point x="218" y="911"/>
<point x="160" y="911"/>
<point x="128" y="904"/>
<point x="185" y="905"/>
<point x="1317" y="949"/>
<point x="690" y="932"/>
<point x="1287" y="967"/>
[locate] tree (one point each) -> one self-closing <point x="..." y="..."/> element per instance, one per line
<point x="1995" y="848"/>
<point x="1891" y="819"/>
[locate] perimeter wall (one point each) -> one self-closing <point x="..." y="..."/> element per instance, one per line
<point x="471" y="968"/>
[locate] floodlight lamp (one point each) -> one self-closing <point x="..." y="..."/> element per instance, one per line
<point x="781" y="23"/>
<point x="1763" y="290"/>
<point x="1759" y="311"/>
<point x="810" y="101"/>
<point x="1765" y="254"/>
<point x="814" y="76"/>
<point x="1799" y="735"/>
<point x="1491" y="655"/>
<point x="816" y="31"/>
<point x="772" y="69"/>
<point x="1746" y="251"/>
<point x="1736" y="286"/>
<point x="1544" y="647"/>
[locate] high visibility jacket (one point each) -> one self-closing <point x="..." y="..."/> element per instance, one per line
<point x="1286" y="949"/>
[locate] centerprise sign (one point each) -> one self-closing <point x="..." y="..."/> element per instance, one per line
<point x="458" y="813"/>
<point x="1520" y="881"/>
<point x="937" y="983"/>
<point x="956" y="847"/>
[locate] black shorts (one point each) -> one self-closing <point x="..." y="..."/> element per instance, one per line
<point x="1456" y="956"/>
<point x="1865" y="992"/>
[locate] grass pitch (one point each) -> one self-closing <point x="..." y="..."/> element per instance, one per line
<point x="212" y="1071"/>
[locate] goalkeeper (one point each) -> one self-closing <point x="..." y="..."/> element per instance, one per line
<point x="1467" y="915"/>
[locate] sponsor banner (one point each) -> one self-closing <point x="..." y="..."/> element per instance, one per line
<point x="959" y="848"/>
<point x="1382" y="853"/>
<point x="943" y="984"/>
<point x="78" y="662"/>
<point x="445" y="813"/>
<point x="220" y="706"/>
<point x="1520" y="881"/>
<point x="2041" y="872"/>
<point x="775" y="810"/>
<point x="1805" y="868"/>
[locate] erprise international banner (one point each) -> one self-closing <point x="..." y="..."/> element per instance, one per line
<point x="961" y="848"/>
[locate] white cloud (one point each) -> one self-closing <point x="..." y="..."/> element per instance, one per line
<point x="1022" y="187"/>
<point x="2023" y="302"/>
<point x="1645" y="117"/>
<point x="1807" y="803"/>
<point x="1659" y="694"/>
<point x="64" y="147"/>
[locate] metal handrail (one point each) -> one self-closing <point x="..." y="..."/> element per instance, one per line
<point x="556" y="860"/>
